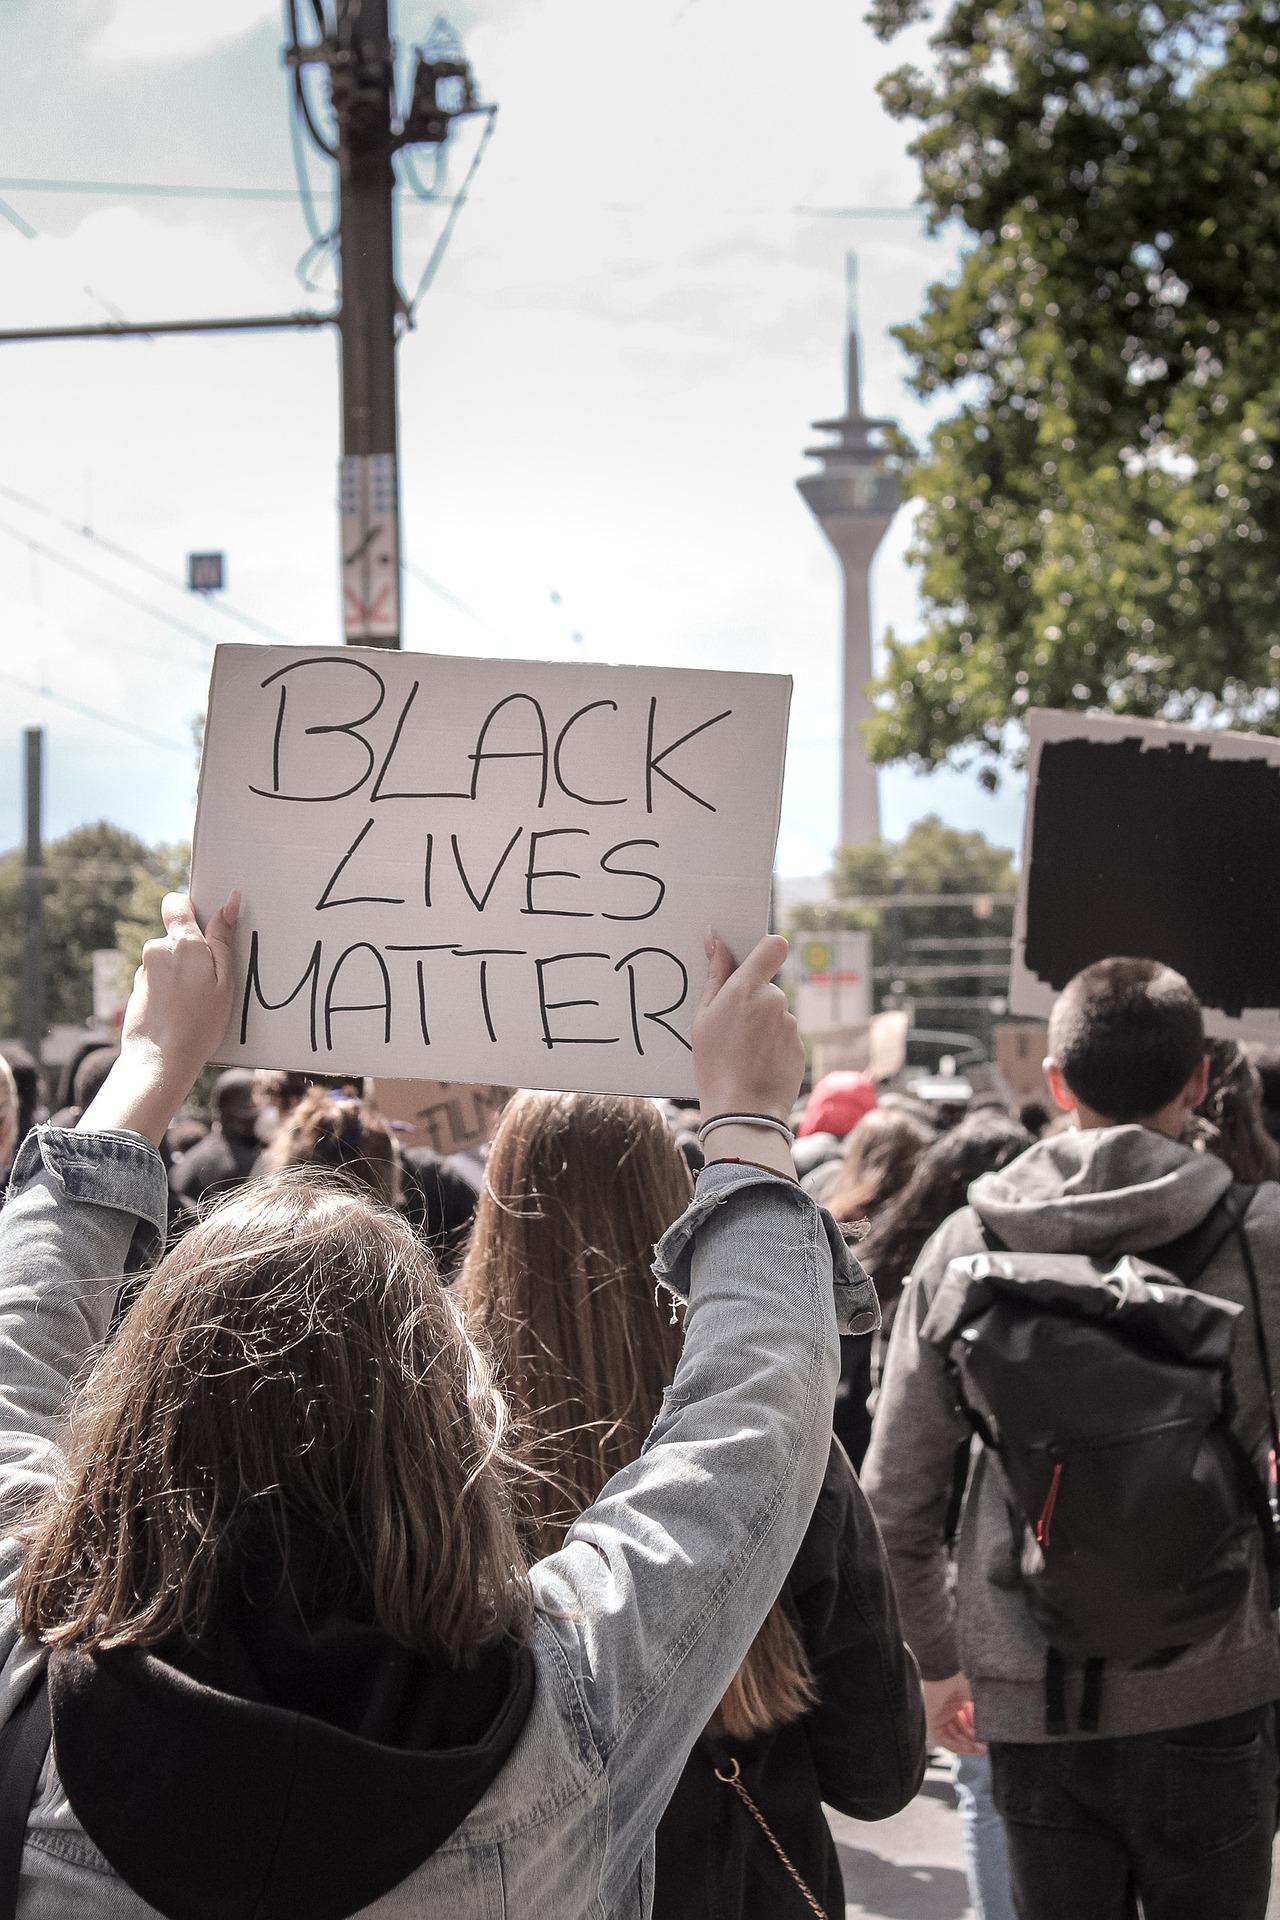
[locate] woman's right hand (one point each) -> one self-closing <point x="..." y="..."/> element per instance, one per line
<point x="747" y="1054"/>
<point x="176" y="1016"/>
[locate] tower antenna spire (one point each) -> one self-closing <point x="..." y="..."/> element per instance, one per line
<point x="853" y="496"/>
<point x="853" y="370"/>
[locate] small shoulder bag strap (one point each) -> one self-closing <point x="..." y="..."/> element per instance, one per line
<point x="731" y="1776"/>
<point x="24" y="1745"/>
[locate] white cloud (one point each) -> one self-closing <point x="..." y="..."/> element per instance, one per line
<point x="177" y="29"/>
<point x="608" y="391"/>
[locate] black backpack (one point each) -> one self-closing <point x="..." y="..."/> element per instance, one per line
<point x="1105" y="1393"/>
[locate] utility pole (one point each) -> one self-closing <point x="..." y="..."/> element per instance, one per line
<point x="362" y="87"/>
<point x="32" y="994"/>
<point x="359" y="54"/>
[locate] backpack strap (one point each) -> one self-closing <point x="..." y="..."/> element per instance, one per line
<point x="1055" y="1693"/>
<point x="24" y="1745"/>
<point x="1187" y="1257"/>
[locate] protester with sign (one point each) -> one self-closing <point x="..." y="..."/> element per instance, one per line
<point x="825" y="1707"/>
<point x="267" y="1584"/>
<point x="1112" y="1634"/>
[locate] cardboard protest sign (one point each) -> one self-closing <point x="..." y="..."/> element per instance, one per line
<point x="483" y="870"/>
<point x="1156" y="841"/>
<point x="444" y="1115"/>
<point x="1021" y="1047"/>
<point x="876" y="1047"/>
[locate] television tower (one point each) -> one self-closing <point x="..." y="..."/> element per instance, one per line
<point x="853" y="498"/>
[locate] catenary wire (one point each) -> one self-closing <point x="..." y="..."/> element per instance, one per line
<point x="108" y="586"/>
<point x="92" y="713"/>
<point x="459" y="201"/>
<point x="176" y="190"/>
<point x="225" y="607"/>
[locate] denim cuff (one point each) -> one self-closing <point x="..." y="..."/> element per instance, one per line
<point x="720" y="1184"/>
<point x="113" y="1169"/>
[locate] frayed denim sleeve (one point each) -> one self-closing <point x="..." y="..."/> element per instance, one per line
<point x="83" y="1209"/>
<point x="725" y="1183"/>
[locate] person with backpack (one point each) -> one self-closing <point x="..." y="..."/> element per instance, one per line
<point x="1103" y="1315"/>
<point x="265" y="1587"/>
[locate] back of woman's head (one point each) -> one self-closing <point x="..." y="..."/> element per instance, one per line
<point x="878" y="1161"/>
<point x="981" y="1143"/>
<point x="578" y="1188"/>
<point x="292" y="1372"/>
<point x="1230" y="1122"/>
<point x="342" y="1136"/>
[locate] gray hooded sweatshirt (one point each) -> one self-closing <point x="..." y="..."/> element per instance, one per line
<point x="1105" y="1192"/>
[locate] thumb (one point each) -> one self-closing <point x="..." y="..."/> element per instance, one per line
<point x="218" y="934"/>
<point x="720" y="965"/>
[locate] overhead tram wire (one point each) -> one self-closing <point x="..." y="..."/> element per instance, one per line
<point x="176" y="190"/>
<point x="93" y="713"/>
<point x="113" y="547"/>
<point x="108" y="586"/>
<point x="459" y="201"/>
<point x="450" y="599"/>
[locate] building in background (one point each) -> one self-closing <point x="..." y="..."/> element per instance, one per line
<point x="853" y="498"/>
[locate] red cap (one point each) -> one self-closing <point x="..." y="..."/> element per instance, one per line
<point x="837" y="1104"/>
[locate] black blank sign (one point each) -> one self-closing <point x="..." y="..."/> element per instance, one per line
<point x="1167" y="853"/>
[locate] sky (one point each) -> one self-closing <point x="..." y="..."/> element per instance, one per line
<point x="603" y="403"/>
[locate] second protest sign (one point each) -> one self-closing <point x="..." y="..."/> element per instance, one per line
<point x="483" y="870"/>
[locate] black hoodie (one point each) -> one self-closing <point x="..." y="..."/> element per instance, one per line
<point x="288" y="1768"/>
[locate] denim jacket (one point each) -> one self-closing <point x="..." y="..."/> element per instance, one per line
<point x="643" y="1616"/>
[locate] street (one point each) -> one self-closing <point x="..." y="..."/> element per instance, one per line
<point x="912" y="1867"/>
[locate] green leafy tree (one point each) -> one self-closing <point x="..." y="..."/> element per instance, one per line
<point x="166" y="871"/>
<point x="1100" y="517"/>
<point x="872" y="888"/>
<point x="90" y="875"/>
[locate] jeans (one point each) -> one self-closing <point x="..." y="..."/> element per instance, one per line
<point x="986" y="1856"/>
<point x="1181" y="1820"/>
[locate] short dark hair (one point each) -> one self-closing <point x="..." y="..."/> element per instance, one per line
<point x="91" y="1073"/>
<point x="1127" y="1036"/>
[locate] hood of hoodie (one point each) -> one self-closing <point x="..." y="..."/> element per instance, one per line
<point x="283" y="1769"/>
<point x="1099" y="1191"/>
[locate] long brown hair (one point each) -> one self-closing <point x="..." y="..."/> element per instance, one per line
<point x="342" y="1136"/>
<point x="293" y="1369"/>
<point x="578" y="1188"/>
<point x="878" y="1161"/>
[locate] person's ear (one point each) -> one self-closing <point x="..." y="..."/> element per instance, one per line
<point x="1062" y="1094"/>
<point x="1198" y="1085"/>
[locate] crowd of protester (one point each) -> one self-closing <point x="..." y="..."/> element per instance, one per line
<point x="491" y="1559"/>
